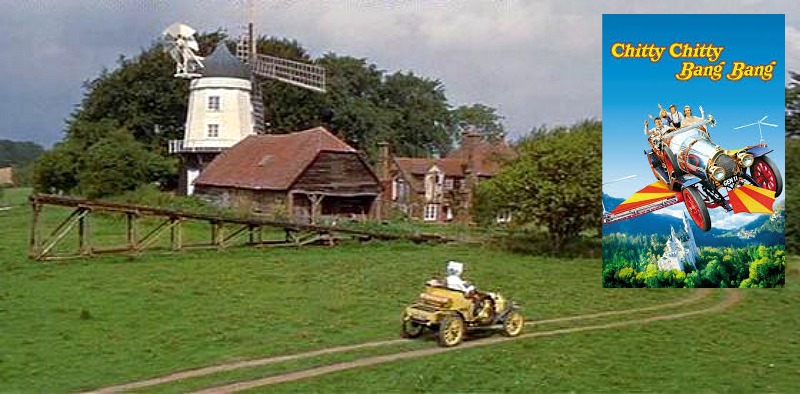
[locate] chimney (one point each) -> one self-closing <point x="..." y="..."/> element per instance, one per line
<point x="469" y="141"/>
<point x="383" y="160"/>
<point x="384" y="177"/>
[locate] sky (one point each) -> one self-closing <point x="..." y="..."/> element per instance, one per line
<point x="537" y="62"/>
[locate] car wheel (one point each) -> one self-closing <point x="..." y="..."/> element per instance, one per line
<point x="412" y="329"/>
<point x="697" y="208"/>
<point x="451" y="331"/>
<point x="513" y="323"/>
<point x="766" y="173"/>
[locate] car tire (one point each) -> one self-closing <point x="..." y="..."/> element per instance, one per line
<point x="411" y="329"/>
<point x="697" y="208"/>
<point x="766" y="173"/>
<point x="451" y="331"/>
<point x="512" y="324"/>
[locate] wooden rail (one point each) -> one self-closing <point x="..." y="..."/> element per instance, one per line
<point x="225" y="230"/>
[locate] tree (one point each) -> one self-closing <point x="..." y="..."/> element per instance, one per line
<point x="18" y="154"/>
<point x="479" y="118"/>
<point x="553" y="183"/>
<point x="118" y="163"/>
<point x="56" y="171"/>
<point x="793" y="105"/>
<point x="793" y="165"/>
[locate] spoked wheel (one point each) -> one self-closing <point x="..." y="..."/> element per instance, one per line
<point x="697" y="208"/>
<point x="411" y="329"/>
<point x="451" y="331"/>
<point x="766" y="173"/>
<point x="512" y="325"/>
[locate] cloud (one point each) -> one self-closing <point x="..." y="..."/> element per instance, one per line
<point x="538" y="62"/>
<point x="792" y="49"/>
<point x="730" y="221"/>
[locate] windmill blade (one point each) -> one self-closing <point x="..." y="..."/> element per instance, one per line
<point x="179" y="29"/>
<point x="737" y="128"/>
<point x="295" y="73"/>
<point x="770" y="124"/>
<point x="762" y="119"/>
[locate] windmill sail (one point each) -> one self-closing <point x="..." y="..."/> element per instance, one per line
<point x="295" y="73"/>
<point x="300" y="74"/>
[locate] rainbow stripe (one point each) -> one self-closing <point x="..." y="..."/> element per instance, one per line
<point x="652" y="193"/>
<point x="751" y="199"/>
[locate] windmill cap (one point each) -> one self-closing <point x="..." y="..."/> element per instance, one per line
<point x="222" y="63"/>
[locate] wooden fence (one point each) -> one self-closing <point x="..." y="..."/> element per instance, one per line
<point x="225" y="231"/>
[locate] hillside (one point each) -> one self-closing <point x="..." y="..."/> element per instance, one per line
<point x="765" y="231"/>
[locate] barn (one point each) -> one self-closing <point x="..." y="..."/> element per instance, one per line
<point x="300" y="176"/>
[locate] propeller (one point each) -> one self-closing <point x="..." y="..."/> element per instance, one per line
<point x="759" y="123"/>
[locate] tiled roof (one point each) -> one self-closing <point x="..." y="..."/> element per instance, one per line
<point x="488" y="156"/>
<point x="271" y="162"/>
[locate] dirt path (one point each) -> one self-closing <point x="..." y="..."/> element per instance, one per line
<point x="732" y="297"/>
<point x="194" y="373"/>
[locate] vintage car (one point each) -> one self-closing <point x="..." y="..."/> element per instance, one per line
<point x="452" y="313"/>
<point x="688" y="161"/>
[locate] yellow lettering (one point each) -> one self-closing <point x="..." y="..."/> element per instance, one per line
<point x="742" y="69"/>
<point x="672" y="50"/>
<point x="617" y="50"/>
<point x="690" y="70"/>
<point x="686" y="70"/>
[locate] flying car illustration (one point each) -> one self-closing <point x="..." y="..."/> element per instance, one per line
<point x="691" y="168"/>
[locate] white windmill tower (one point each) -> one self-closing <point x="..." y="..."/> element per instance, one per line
<point x="759" y="123"/>
<point x="224" y="96"/>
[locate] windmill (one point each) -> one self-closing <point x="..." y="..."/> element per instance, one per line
<point x="759" y="123"/>
<point x="225" y="102"/>
<point x="303" y="75"/>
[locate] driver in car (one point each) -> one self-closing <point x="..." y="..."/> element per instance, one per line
<point x="659" y="128"/>
<point x="454" y="282"/>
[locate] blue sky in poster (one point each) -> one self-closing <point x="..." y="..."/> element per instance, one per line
<point x="632" y="88"/>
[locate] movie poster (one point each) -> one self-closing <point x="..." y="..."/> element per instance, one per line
<point x="693" y="151"/>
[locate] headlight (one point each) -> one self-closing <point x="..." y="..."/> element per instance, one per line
<point x="717" y="173"/>
<point x="746" y="159"/>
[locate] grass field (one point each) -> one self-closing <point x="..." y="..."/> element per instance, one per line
<point x="91" y="323"/>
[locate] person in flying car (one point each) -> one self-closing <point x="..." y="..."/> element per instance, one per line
<point x="689" y="119"/>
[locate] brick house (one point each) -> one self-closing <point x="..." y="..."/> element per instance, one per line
<point x="301" y="176"/>
<point x="440" y="190"/>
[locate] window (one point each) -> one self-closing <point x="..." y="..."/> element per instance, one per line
<point x="448" y="184"/>
<point x="213" y="103"/>
<point x="213" y="130"/>
<point x="430" y="212"/>
<point x="503" y="216"/>
<point x="448" y="213"/>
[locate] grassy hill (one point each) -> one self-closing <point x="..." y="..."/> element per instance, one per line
<point x="91" y="323"/>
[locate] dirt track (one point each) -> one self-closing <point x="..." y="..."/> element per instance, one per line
<point x="732" y="297"/>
